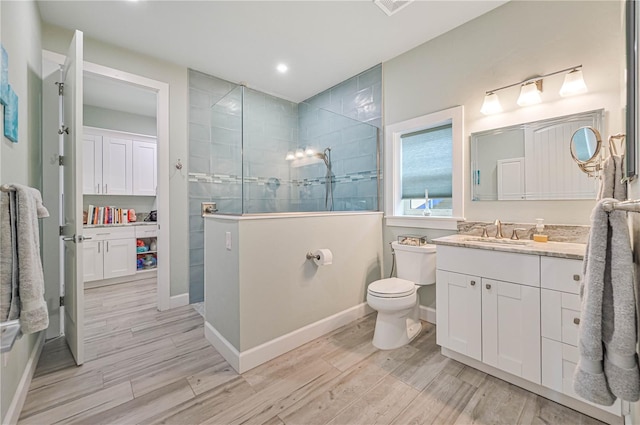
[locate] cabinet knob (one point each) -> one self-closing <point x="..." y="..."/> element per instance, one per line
<point x="576" y="320"/>
<point x="576" y="277"/>
<point x="473" y="283"/>
<point x="488" y="286"/>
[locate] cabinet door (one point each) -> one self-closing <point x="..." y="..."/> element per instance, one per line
<point x="119" y="258"/>
<point x="92" y="164"/>
<point x="144" y="168"/>
<point x="117" y="166"/>
<point x="458" y="298"/>
<point x="511" y="328"/>
<point x="93" y="260"/>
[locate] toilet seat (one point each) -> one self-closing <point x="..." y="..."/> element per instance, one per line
<point x="391" y="288"/>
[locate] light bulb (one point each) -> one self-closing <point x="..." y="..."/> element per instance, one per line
<point x="309" y="152"/>
<point x="299" y="153"/>
<point x="290" y="156"/>
<point x="529" y="94"/>
<point x="491" y="104"/>
<point x="573" y="84"/>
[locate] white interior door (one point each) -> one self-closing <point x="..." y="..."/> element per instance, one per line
<point x="72" y="199"/>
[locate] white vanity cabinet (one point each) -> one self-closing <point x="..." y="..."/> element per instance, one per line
<point x="109" y="253"/>
<point x="514" y="312"/>
<point x="489" y="308"/>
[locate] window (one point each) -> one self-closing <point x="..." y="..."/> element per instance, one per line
<point x="425" y="153"/>
<point x="425" y="171"/>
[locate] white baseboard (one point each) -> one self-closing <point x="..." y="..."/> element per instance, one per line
<point x="246" y="360"/>
<point x="179" y="300"/>
<point x="428" y="314"/>
<point x="13" y="412"/>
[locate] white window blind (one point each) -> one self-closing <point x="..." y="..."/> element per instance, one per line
<point x="427" y="163"/>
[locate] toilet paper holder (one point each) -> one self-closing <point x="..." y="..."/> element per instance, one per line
<point x="310" y="256"/>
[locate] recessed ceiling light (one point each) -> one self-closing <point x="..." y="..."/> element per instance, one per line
<point x="282" y="68"/>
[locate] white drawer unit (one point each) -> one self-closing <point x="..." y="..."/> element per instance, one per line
<point x="109" y="252"/>
<point x="560" y="316"/>
<point x="561" y="274"/>
<point x="558" y="364"/>
<point x="146" y="231"/>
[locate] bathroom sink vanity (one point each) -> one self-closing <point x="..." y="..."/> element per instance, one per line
<point x="513" y="310"/>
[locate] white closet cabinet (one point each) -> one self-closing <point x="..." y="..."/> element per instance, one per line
<point x="144" y="168"/>
<point x="92" y="165"/>
<point x="117" y="163"/>
<point x="117" y="166"/>
<point x="491" y="310"/>
<point x="109" y="253"/>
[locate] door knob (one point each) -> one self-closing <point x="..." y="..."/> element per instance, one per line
<point x="576" y="320"/>
<point x="576" y="277"/>
<point x="488" y="286"/>
<point x="473" y="283"/>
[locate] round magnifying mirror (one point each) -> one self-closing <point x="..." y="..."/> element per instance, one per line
<point x="585" y="144"/>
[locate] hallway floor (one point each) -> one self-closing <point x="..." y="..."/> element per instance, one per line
<point x="147" y="367"/>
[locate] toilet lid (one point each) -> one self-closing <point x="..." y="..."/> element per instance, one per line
<point x="392" y="287"/>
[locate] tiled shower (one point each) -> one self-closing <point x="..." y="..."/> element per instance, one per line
<point x="238" y="146"/>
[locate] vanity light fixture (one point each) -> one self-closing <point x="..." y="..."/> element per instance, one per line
<point x="299" y="153"/>
<point x="530" y="93"/>
<point x="573" y="83"/>
<point x="531" y="89"/>
<point x="290" y="156"/>
<point x="491" y="104"/>
<point x="309" y="151"/>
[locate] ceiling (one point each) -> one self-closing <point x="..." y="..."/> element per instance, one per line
<point x="322" y="42"/>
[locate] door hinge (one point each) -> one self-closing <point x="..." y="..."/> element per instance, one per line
<point x="60" y="88"/>
<point x="61" y="301"/>
<point x="61" y="231"/>
<point x="63" y="129"/>
<point x="60" y="160"/>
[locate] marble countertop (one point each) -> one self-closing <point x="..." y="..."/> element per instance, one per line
<point x="574" y="251"/>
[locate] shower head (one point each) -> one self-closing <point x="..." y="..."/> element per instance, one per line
<point x="325" y="155"/>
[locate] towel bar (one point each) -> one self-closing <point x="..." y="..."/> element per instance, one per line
<point x="632" y="206"/>
<point x="7" y="188"/>
<point x="9" y="332"/>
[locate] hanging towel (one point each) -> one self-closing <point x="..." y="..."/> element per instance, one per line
<point x="611" y="185"/>
<point x="24" y="275"/>
<point x="608" y="364"/>
<point x="9" y="301"/>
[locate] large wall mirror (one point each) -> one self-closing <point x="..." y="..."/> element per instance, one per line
<point x="531" y="161"/>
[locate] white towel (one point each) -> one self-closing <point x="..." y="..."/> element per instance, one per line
<point x="23" y="239"/>
<point x="608" y="365"/>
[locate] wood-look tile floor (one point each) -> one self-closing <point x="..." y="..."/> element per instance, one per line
<point x="148" y="367"/>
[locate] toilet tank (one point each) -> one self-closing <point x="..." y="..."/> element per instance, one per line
<point x="416" y="263"/>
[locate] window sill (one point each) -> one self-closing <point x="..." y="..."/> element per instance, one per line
<point x="443" y="223"/>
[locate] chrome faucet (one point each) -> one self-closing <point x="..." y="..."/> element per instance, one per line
<point x="498" y="229"/>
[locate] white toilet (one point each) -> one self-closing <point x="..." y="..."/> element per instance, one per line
<point x="396" y="298"/>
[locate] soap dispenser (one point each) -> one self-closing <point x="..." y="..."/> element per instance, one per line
<point x="539" y="236"/>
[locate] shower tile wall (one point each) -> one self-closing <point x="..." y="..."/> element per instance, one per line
<point x="270" y="131"/>
<point x="338" y="124"/>
<point x="272" y="127"/>
<point x="204" y="91"/>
